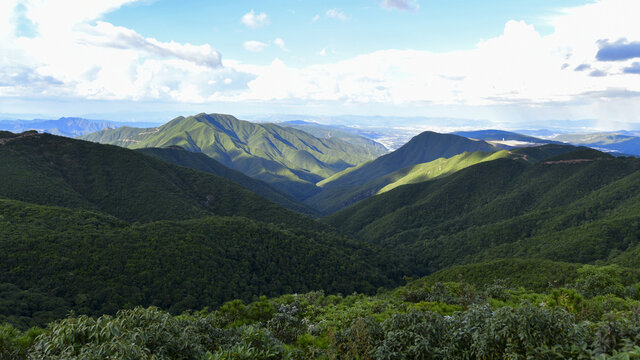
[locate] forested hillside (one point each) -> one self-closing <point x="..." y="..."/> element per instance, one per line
<point x="580" y="207"/>
<point x="52" y="170"/>
<point x="199" y="161"/>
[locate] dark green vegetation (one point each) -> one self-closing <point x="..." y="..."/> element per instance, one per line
<point x="117" y="228"/>
<point x="199" y="161"/>
<point x="503" y="236"/>
<point x="596" y="316"/>
<point x="50" y="170"/>
<point x="581" y="207"/>
<point x="95" y="263"/>
<point x="360" y="182"/>
<point x="613" y="142"/>
<point x="291" y="160"/>
<point x="333" y="199"/>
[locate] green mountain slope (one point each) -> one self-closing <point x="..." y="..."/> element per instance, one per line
<point x="199" y="161"/>
<point x="335" y="198"/>
<point x="578" y="207"/>
<point x="289" y="159"/>
<point x="424" y="147"/>
<point x="52" y="170"/>
<point x="95" y="263"/>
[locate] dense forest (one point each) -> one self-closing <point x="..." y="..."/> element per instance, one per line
<point x="596" y="316"/>
<point x="162" y="253"/>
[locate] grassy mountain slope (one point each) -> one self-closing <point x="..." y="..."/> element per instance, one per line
<point x="338" y="132"/>
<point x="613" y="142"/>
<point x="289" y="159"/>
<point x="424" y="147"/>
<point x="95" y="263"/>
<point x="335" y="198"/>
<point x="202" y="162"/>
<point x="577" y="208"/>
<point x="52" y="170"/>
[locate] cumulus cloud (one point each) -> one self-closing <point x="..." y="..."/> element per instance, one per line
<point x="618" y="51"/>
<point x="108" y="35"/>
<point x="633" y="68"/>
<point x="406" y="5"/>
<point x="254" y="21"/>
<point x="71" y="55"/>
<point x="336" y="14"/>
<point x="254" y="46"/>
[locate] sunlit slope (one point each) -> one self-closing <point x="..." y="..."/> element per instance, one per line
<point x="424" y="147"/>
<point x="290" y="159"/>
<point x="578" y="207"/>
<point x="335" y="198"/>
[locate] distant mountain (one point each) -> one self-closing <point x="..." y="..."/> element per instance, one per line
<point x="347" y="134"/>
<point x="200" y="161"/>
<point x="423" y="148"/>
<point x="58" y="171"/>
<point x="66" y="126"/>
<point x="505" y="139"/>
<point x="609" y="142"/>
<point x="289" y="159"/>
<point x="581" y="206"/>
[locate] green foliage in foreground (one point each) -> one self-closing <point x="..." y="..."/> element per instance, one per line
<point x="419" y="321"/>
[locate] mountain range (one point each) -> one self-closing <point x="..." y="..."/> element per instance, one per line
<point x="289" y="159"/>
<point x="178" y="217"/>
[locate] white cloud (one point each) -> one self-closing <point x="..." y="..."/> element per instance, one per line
<point x="323" y="52"/>
<point x="75" y="55"/>
<point x="107" y="35"/>
<point x="520" y="67"/>
<point x="280" y="43"/>
<point x="315" y="18"/>
<point x="253" y="20"/>
<point x="336" y="14"/>
<point x="406" y="5"/>
<point x="254" y="46"/>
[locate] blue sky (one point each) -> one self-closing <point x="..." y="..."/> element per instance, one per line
<point x="437" y="26"/>
<point x="507" y="62"/>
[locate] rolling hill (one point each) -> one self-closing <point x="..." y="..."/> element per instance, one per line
<point x="94" y="228"/>
<point x="52" y="170"/>
<point x="357" y="183"/>
<point x="199" y="161"/>
<point x="333" y="199"/>
<point x="581" y="206"/>
<point x="288" y="159"/>
<point x="53" y="260"/>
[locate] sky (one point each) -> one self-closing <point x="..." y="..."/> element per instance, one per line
<point x="517" y="62"/>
